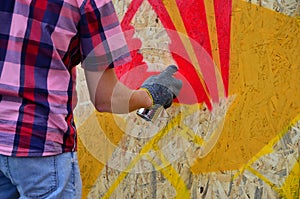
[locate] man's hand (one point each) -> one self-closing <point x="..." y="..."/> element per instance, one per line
<point x="163" y="88"/>
<point x="108" y="94"/>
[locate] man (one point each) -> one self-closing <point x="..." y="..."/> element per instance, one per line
<point x="41" y="42"/>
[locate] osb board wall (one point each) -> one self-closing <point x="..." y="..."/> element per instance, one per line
<point x="245" y="146"/>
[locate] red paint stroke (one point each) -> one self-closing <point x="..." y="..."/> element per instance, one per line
<point x="181" y="58"/>
<point x="194" y="18"/>
<point x="134" y="73"/>
<point x="193" y="15"/>
<point x="223" y="11"/>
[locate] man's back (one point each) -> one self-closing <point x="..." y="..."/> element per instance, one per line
<point x="41" y="42"/>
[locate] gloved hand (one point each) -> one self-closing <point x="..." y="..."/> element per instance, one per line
<point x="163" y="88"/>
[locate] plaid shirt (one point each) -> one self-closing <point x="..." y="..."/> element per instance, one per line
<point x="41" y="42"/>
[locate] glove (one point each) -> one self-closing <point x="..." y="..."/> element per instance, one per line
<point x="163" y="88"/>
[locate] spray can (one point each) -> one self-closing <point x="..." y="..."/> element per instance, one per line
<point x="150" y="114"/>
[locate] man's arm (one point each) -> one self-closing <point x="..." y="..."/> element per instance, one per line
<point x="108" y="94"/>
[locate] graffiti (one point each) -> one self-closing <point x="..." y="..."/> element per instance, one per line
<point x="191" y="45"/>
<point x="226" y="118"/>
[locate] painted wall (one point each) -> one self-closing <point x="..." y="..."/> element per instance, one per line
<point x="234" y="130"/>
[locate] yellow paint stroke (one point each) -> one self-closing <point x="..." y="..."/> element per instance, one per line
<point x="290" y="182"/>
<point x="92" y="140"/>
<point x="264" y="71"/>
<point x="298" y="20"/>
<point x="171" y="175"/>
<point x="268" y="149"/>
<point x="212" y="29"/>
<point x="148" y="147"/>
<point x="188" y="134"/>
<point x="90" y="168"/>
<point x="264" y="179"/>
<point x="213" y="35"/>
<point x="290" y="189"/>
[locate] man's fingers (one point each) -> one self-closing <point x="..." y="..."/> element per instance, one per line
<point x="170" y="70"/>
<point x="177" y="87"/>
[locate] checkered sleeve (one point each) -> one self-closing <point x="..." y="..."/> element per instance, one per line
<point x="103" y="44"/>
